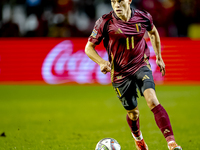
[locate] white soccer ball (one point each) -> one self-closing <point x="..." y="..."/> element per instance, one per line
<point x="108" y="144"/>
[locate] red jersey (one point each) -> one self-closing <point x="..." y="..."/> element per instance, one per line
<point x="124" y="42"/>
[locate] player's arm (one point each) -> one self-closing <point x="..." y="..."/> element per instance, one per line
<point x="92" y="54"/>
<point x="155" y="40"/>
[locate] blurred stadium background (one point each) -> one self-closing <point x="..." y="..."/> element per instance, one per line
<point x="42" y="45"/>
<point x="75" y="18"/>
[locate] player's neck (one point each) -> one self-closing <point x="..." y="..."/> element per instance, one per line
<point x="126" y="16"/>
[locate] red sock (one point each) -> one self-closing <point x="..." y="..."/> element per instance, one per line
<point x="163" y="122"/>
<point x="134" y="126"/>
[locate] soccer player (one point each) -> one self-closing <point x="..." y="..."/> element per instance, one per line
<point x="122" y="32"/>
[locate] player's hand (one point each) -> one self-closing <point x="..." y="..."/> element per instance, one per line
<point x="161" y="64"/>
<point x="105" y="67"/>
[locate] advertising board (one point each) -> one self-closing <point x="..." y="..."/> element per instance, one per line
<point x="63" y="61"/>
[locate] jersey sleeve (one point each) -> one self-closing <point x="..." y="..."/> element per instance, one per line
<point x="97" y="32"/>
<point x="149" y="21"/>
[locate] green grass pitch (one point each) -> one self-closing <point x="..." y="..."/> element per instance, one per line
<point x="77" y="117"/>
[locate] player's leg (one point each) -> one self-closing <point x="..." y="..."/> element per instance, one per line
<point x="133" y="122"/>
<point x="127" y="94"/>
<point x="132" y="118"/>
<point x="146" y="86"/>
<point x="160" y="115"/>
<point x="161" y="118"/>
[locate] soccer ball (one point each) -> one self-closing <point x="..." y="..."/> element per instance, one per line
<point x="108" y="144"/>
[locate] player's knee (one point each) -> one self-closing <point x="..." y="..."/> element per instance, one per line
<point x="152" y="102"/>
<point x="133" y="114"/>
<point x="151" y="98"/>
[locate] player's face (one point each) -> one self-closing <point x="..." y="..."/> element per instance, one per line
<point x="121" y="7"/>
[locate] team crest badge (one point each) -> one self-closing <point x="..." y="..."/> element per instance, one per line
<point x="138" y="27"/>
<point x="94" y="33"/>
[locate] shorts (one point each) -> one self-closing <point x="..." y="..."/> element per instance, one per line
<point x="127" y="91"/>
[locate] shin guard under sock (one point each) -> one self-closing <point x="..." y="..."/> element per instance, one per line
<point x="163" y="122"/>
<point x="134" y="126"/>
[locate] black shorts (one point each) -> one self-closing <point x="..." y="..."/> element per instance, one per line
<point x="127" y="91"/>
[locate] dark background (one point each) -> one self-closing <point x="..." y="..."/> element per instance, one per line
<point x="76" y="18"/>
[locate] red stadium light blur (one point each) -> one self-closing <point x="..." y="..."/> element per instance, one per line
<point x="63" y="61"/>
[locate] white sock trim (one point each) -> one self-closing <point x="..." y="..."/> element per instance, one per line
<point x="171" y="142"/>
<point x="139" y="138"/>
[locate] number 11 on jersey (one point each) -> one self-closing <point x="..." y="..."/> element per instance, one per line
<point x="128" y="41"/>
